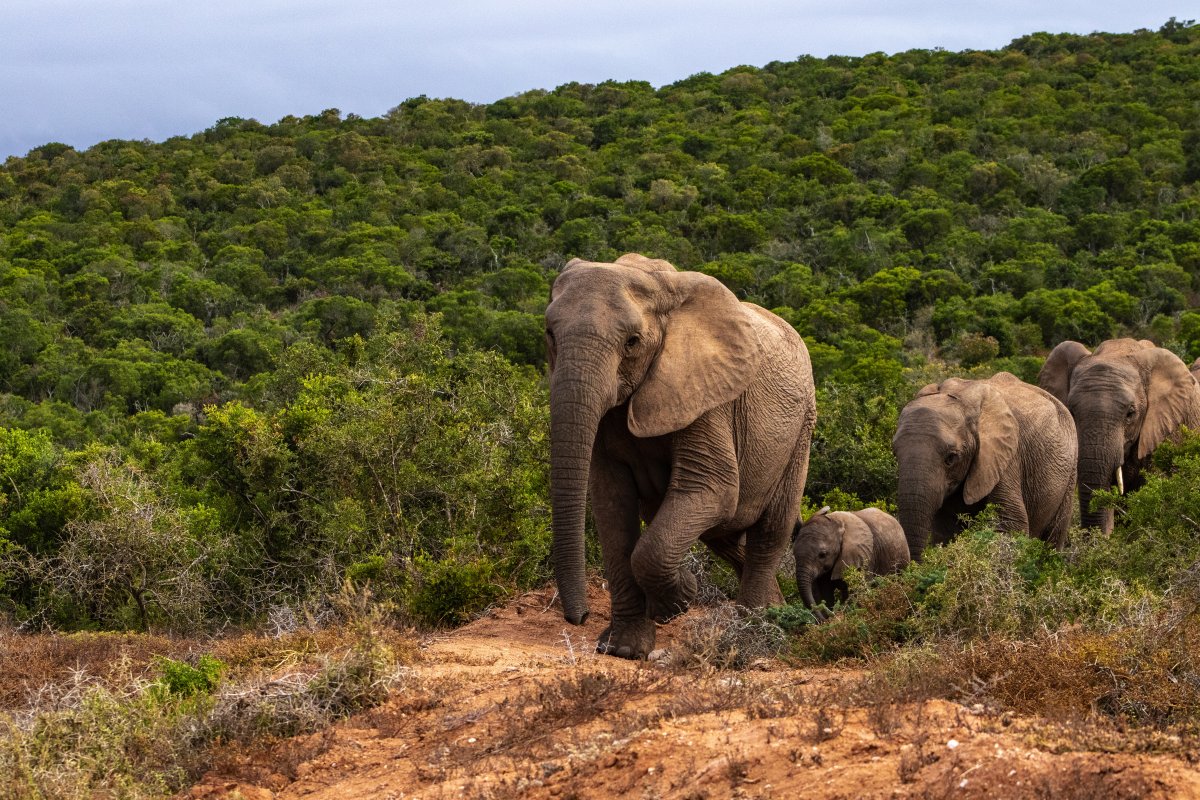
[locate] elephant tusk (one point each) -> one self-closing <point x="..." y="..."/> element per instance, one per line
<point x="1120" y="482"/>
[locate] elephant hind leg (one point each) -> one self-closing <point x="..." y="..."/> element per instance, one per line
<point x="1057" y="532"/>
<point x="768" y="540"/>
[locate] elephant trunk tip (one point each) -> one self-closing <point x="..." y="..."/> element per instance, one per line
<point x="576" y="617"/>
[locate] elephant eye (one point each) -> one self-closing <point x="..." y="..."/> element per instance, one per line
<point x="633" y="341"/>
<point x="1129" y="414"/>
<point x="823" y="554"/>
<point x="950" y="459"/>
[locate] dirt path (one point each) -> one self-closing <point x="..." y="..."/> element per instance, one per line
<point x="517" y="705"/>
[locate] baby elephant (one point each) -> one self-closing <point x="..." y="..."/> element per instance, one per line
<point x="829" y="542"/>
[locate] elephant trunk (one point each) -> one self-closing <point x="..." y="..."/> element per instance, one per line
<point x="1096" y="475"/>
<point x="915" y="511"/>
<point x="575" y="411"/>
<point x="804" y="581"/>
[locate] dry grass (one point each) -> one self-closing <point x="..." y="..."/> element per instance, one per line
<point x="727" y="637"/>
<point x="34" y="664"/>
<point x="90" y="716"/>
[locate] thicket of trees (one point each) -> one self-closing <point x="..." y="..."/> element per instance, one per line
<point x="242" y="366"/>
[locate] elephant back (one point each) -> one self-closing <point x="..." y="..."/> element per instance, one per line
<point x="891" y="546"/>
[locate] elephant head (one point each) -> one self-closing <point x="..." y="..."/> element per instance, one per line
<point x="1126" y="398"/>
<point x="828" y="544"/>
<point x="959" y="435"/>
<point x="667" y="345"/>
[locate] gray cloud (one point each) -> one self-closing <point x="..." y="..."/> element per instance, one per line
<point x="79" y="71"/>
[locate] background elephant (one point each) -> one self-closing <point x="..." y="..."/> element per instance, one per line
<point x="1126" y="398"/>
<point x="829" y="542"/>
<point x="967" y="443"/>
<point x="672" y="403"/>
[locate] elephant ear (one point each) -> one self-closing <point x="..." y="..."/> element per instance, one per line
<point x="824" y="510"/>
<point x="1055" y="376"/>
<point x="1171" y="396"/>
<point x="998" y="433"/>
<point x="858" y="546"/>
<point x="710" y="353"/>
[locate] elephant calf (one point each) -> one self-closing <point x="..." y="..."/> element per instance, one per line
<point x="829" y="542"/>
<point x="967" y="443"/>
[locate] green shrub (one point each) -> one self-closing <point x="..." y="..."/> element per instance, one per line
<point x="186" y="680"/>
<point x="451" y="592"/>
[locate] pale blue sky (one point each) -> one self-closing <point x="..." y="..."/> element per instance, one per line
<point x="82" y="71"/>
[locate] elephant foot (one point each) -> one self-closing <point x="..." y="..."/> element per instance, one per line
<point x="627" y="638"/>
<point x="667" y="605"/>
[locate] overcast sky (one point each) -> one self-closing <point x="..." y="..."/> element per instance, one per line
<point x="82" y="71"/>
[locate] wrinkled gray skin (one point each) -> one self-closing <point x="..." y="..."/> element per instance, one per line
<point x="675" y="404"/>
<point x="830" y="542"/>
<point x="1126" y="398"/>
<point x="964" y="444"/>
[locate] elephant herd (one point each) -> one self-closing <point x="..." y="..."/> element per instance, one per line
<point x="685" y="415"/>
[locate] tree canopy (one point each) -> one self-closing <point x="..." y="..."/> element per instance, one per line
<point x="227" y="315"/>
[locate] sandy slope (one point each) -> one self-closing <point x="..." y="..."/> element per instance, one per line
<point x="516" y="705"/>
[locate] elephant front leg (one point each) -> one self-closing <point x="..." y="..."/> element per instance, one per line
<point x="630" y="634"/>
<point x="659" y="557"/>
<point x="1013" y="516"/>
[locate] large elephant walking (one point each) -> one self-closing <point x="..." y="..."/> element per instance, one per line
<point x="672" y="403"/>
<point x="1126" y="397"/>
<point x="963" y="444"/>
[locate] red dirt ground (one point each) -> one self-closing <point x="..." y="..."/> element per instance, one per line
<point x="517" y="705"/>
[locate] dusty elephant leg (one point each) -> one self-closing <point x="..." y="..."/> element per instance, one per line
<point x="627" y="638"/>
<point x="766" y="544"/>
<point x="1057" y="531"/>
<point x="767" y="540"/>
<point x="1013" y="516"/>
<point x="658" y="558"/>
<point x="615" y="511"/>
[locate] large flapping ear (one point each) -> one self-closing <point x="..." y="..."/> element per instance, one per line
<point x="1055" y="376"/>
<point x="858" y="545"/>
<point x="997" y="431"/>
<point x="710" y="353"/>
<point x="1171" y="397"/>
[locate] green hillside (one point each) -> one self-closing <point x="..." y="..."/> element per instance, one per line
<point x="243" y="366"/>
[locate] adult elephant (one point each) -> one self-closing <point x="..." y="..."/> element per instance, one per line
<point x="1126" y="398"/>
<point x="672" y="403"/>
<point x="966" y="443"/>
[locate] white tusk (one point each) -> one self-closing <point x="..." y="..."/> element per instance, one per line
<point x="1120" y="482"/>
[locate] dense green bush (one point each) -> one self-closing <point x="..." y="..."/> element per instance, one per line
<point x="313" y="349"/>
